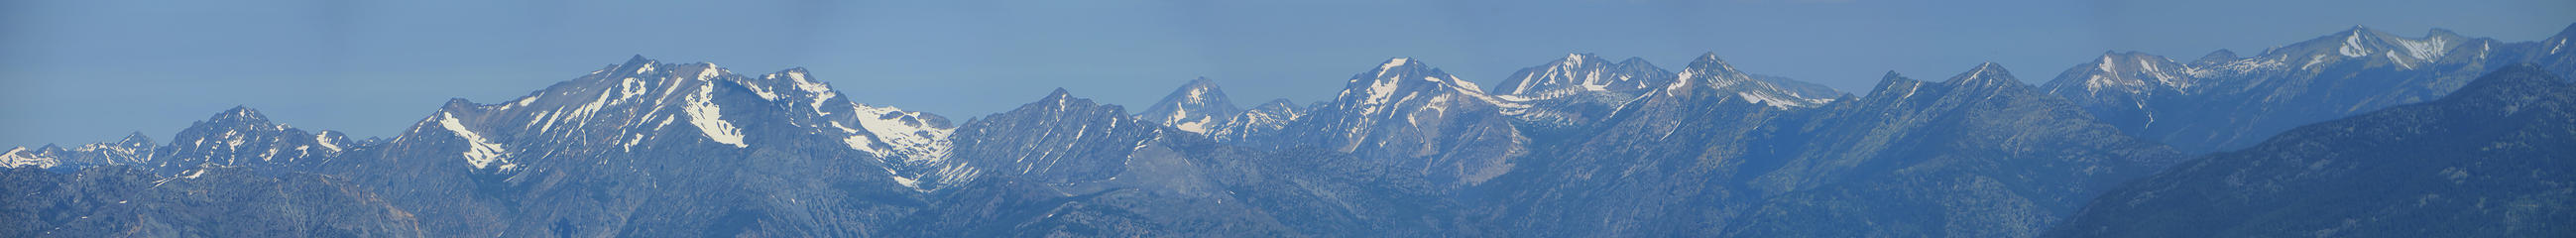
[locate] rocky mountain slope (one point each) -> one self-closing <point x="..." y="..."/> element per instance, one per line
<point x="2492" y="160"/>
<point x="1578" y="146"/>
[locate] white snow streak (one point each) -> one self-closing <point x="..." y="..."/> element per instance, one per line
<point x="703" y="113"/>
<point x="480" y="152"/>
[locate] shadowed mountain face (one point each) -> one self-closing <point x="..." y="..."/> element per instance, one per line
<point x="1260" y="121"/>
<point x="648" y="148"/>
<point x="241" y="137"/>
<point x="2223" y="101"/>
<point x="2496" y="159"/>
<point x="134" y="149"/>
<point x="1065" y="166"/>
<point x="1576" y="147"/>
<point x="1197" y="107"/>
<point x="124" y="201"/>
<point x="1410" y="117"/>
<point x="1567" y="95"/>
<point x="1979" y="155"/>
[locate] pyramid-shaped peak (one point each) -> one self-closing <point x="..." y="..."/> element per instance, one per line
<point x="458" y="104"/>
<point x="1986" y="74"/>
<point x="1201" y="82"/>
<point x="1201" y="89"/>
<point x="135" y="138"/>
<point x="1708" y="57"/>
<point x="1580" y="58"/>
<point x="1059" y="94"/>
<point x="1402" y="69"/>
<point x="1709" y="62"/>
<point x="1398" y="62"/>
<point x="1893" y="82"/>
<point x="240" y="114"/>
<point x="635" y="65"/>
<point x="638" y="59"/>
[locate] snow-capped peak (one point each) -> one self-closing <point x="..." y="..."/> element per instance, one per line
<point x="1710" y="63"/>
<point x="240" y="114"/>
<point x="2362" y="43"/>
<point x="1060" y="97"/>
<point x="2133" y="72"/>
<point x="1398" y="76"/>
<point x="22" y="157"/>
<point x="135" y="139"/>
<point x="1267" y="118"/>
<point x="238" y="137"/>
<point x="1986" y="75"/>
<point x="1712" y="73"/>
<point x="627" y="107"/>
<point x="1196" y="107"/>
<point x="1392" y="63"/>
<point x="1583" y="73"/>
<point x="2354" y="44"/>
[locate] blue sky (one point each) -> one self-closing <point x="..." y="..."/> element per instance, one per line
<point x="82" y="71"/>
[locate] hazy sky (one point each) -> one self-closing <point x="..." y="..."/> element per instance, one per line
<point x="91" y="70"/>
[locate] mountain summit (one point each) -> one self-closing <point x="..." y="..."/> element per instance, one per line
<point x="1576" y="147"/>
<point x="2223" y="101"/>
<point x="1196" y="107"/>
<point x="1412" y="117"/>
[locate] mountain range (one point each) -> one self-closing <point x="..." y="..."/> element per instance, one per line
<point x="2357" y="133"/>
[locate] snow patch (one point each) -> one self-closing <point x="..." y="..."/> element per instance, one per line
<point x="324" y="139"/>
<point x="2313" y="61"/>
<point x="709" y="118"/>
<point x="902" y="129"/>
<point x="2428" y="48"/>
<point x="2553" y="48"/>
<point x="711" y="71"/>
<point x="480" y="152"/>
<point x="1766" y="100"/>
<point x="1390" y="65"/>
<point x="822" y="92"/>
<point x="2352" y="46"/>
<point x="20" y="157"/>
<point x="628" y="88"/>
<point x="859" y="141"/>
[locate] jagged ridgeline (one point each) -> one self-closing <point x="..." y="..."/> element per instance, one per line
<point x="2357" y="133"/>
<point x="2495" y="159"/>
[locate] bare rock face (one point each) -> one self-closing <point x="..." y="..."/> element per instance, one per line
<point x="2224" y="102"/>
<point x="1577" y="147"/>
<point x="2492" y="160"/>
